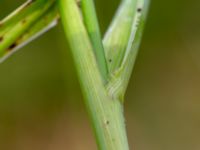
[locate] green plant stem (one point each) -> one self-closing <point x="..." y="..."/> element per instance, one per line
<point x="92" y="25"/>
<point x="106" y="113"/>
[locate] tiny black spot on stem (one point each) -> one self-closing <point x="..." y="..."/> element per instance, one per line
<point x="79" y="4"/>
<point x="139" y="9"/>
<point x="1" y="39"/>
<point x="107" y="122"/>
<point x="110" y="60"/>
<point x="12" y="46"/>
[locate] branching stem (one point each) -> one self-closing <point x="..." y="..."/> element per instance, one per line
<point x="104" y="68"/>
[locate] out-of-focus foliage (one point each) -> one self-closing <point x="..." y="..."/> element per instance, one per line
<point x="41" y="105"/>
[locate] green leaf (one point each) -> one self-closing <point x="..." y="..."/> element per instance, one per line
<point x="120" y="78"/>
<point x="24" y="24"/>
<point x="117" y="36"/>
<point x="92" y="26"/>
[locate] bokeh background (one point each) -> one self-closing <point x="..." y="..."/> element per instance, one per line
<point x="41" y="106"/>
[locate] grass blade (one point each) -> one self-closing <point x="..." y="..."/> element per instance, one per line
<point x="17" y="25"/>
<point x="120" y="78"/>
<point x="45" y="23"/>
<point x="92" y="26"/>
<point x="117" y="36"/>
<point x="134" y="42"/>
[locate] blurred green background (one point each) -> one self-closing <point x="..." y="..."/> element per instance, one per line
<point x="41" y="106"/>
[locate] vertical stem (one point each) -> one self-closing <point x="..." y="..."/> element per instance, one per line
<point x="106" y="113"/>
